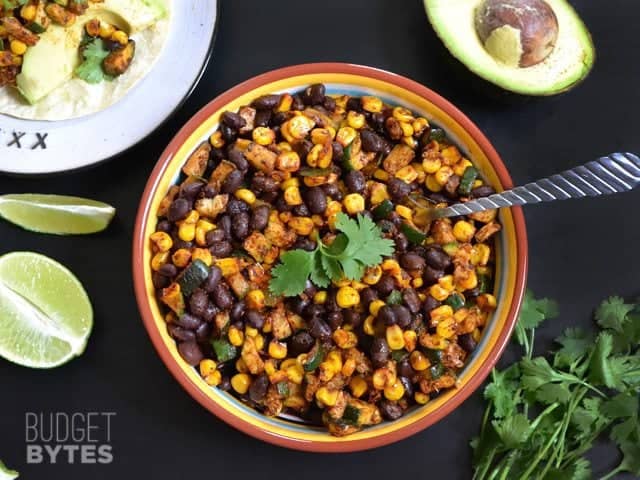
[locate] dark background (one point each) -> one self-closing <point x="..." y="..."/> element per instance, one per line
<point x="580" y="251"/>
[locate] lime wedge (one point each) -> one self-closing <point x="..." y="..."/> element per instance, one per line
<point x="45" y="314"/>
<point x="56" y="214"/>
<point x="6" y="474"/>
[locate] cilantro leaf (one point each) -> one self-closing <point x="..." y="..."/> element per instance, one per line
<point x="535" y="311"/>
<point x="612" y="314"/>
<point x="394" y="298"/>
<point x="353" y="269"/>
<point x="600" y="368"/>
<point x="318" y="275"/>
<point x="552" y="393"/>
<point x="503" y="391"/>
<point x="580" y="469"/>
<point x="513" y="430"/>
<point x="91" y="70"/>
<point x="331" y="266"/>
<point x="576" y="345"/>
<point x="631" y="457"/>
<point x="289" y="277"/>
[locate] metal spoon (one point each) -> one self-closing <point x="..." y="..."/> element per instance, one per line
<point x="617" y="173"/>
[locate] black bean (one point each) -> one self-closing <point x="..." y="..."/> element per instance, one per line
<point x="258" y="388"/>
<point x="297" y="103"/>
<point x="403" y="315"/>
<point x="224" y="224"/>
<point x="181" y="244"/>
<point x="210" y="312"/>
<point x="181" y="334"/>
<point x="168" y="270"/>
<point x="430" y="275"/>
<point x="221" y="249"/>
<point x="367" y="296"/>
<point x="329" y="103"/>
<point x="303" y="148"/>
<point x="314" y="95"/>
<point x="254" y="319"/>
<point x="437" y="258"/>
<point x="451" y="187"/>
<point x="331" y="304"/>
<point x="215" y="274"/>
<point x="203" y="332"/>
<point x="298" y="304"/>
<point x="191" y="353"/>
<point x="335" y="320"/>
<point x="188" y="321"/>
<point x="411" y="300"/>
<point x="301" y="342"/>
<point x="467" y="342"/>
<point x="390" y="410"/>
<point x="160" y="281"/>
<point x="380" y="352"/>
<point x="355" y="104"/>
<point x="310" y="290"/>
<point x="229" y="135"/>
<point x="240" y="225"/>
<point x="266" y="102"/>
<point x="387" y="226"/>
<point x="198" y="302"/>
<point x="216" y="156"/>
<point x="233" y="120"/>
<point x="429" y="304"/>
<point x="237" y="311"/>
<point x="398" y="189"/>
<point x="260" y="218"/>
<point x="209" y="191"/>
<point x="237" y="158"/>
<point x="482" y="191"/>
<point x="277" y="119"/>
<point x="412" y="261"/>
<point x="314" y="310"/>
<point x="332" y="190"/>
<point x="401" y="241"/>
<point x="222" y="296"/>
<point x="261" y="183"/>
<point x="352" y="317"/>
<point x="395" y="218"/>
<point x="377" y="122"/>
<point x="316" y="200"/>
<point x="235" y="206"/>
<point x="262" y="118"/>
<point x="371" y="141"/>
<point x="191" y="190"/>
<point x="301" y="210"/>
<point x="319" y="329"/>
<point x="304" y="243"/>
<point x="233" y="182"/>
<point x="178" y="209"/>
<point x="408" y="386"/>
<point x="355" y="181"/>
<point x="214" y="236"/>
<point x="385" y="285"/>
<point x="164" y="226"/>
<point x="471" y="294"/>
<point x="404" y="368"/>
<point x="387" y="315"/>
<point x="338" y="151"/>
<point x="438" y="197"/>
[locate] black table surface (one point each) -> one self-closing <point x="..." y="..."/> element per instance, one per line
<point x="580" y="251"/>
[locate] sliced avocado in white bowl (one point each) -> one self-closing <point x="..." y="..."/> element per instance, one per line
<point x="530" y="47"/>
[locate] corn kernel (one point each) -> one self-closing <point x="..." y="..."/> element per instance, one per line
<point x="106" y="30"/>
<point x="202" y="228"/>
<point x="418" y="361"/>
<point x="434" y="342"/>
<point x="421" y="398"/>
<point x="181" y="257"/>
<point x="159" y="259"/>
<point x="327" y="397"/>
<point x="382" y="378"/>
<point x="432" y="184"/>
<point x="446" y="282"/>
<point x="431" y="165"/>
<point x="410" y="142"/>
<point x="461" y="166"/>
<point x="295" y="373"/>
<point x="18" y="47"/>
<point x="381" y="174"/>
<point x="440" y="313"/>
<point x="192" y="217"/>
<point x="286" y="101"/>
<point x="246" y="195"/>
<point x="379" y="193"/>
<point x="259" y="340"/>
<point x="354" y="203"/>
<point x="402" y="114"/>
<point x="121" y="37"/>
<point x="288" y="161"/>
<point x="417" y="282"/>
<point x="28" y="12"/>
<point x="277" y="350"/>
<point x="250" y="331"/>
<point x="439" y="293"/>
<point x="292" y="196"/>
<point x="241" y="366"/>
<point x="468" y="282"/>
<point x="187" y="232"/>
<point x="371" y="104"/>
<point x="202" y="254"/>
<point x="407" y="129"/>
<point x="395" y="392"/>
<point x="263" y="136"/>
<point x="419" y="125"/>
<point x="17" y="60"/>
<point x="347" y="297"/>
<point x="358" y="386"/>
<point x="320" y="136"/>
<point x="241" y="383"/>
<point x="162" y="241"/>
<point x="300" y="126"/>
<point x="372" y="275"/>
<point x="446" y="328"/>
<point x="368" y="325"/>
<point x="356" y="120"/>
<point x="442" y="175"/>
<point x="255" y="299"/>
<point x="345" y="136"/>
<point x="285" y="216"/>
<point x="216" y="140"/>
<point x="451" y="155"/>
<point x="214" y="378"/>
<point x="290" y="182"/>
<point x="404" y="212"/>
<point x="320" y="155"/>
<point x="301" y="225"/>
<point x="395" y="338"/>
<point x="480" y="254"/>
<point x="407" y="174"/>
<point x="477" y="183"/>
<point x="345" y="339"/>
<point x="270" y="366"/>
<point x="390" y="265"/>
<point x="410" y="339"/>
<point x="236" y="336"/>
<point x="486" y="302"/>
<point x="477" y="335"/>
<point x="375" y="306"/>
<point x="228" y="266"/>
<point x="463" y="231"/>
<point x="349" y="367"/>
<point x="320" y="297"/>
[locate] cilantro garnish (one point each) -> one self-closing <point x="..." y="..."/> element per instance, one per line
<point x="545" y="413"/>
<point x="91" y="70"/>
<point x="359" y="245"/>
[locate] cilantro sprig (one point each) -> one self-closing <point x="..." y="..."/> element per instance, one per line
<point x="359" y="245"/>
<point x="544" y="414"/>
<point x="90" y="70"/>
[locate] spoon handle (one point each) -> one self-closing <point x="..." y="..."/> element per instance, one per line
<point x="619" y="172"/>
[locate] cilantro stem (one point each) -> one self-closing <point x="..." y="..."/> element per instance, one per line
<point x="541" y="454"/>
<point x="487" y="464"/>
<point x="510" y="460"/>
<point x="613" y="473"/>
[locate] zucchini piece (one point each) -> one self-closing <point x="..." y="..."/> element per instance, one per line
<point x="455" y="301"/>
<point x="35" y="27"/>
<point x="414" y="235"/>
<point x="394" y="298"/>
<point x="451" y="248"/>
<point x="469" y="177"/>
<point x="484" y="283"/>
<point x="314" y="358"/>
<point x="351" y="415"/>
<point x="314" y="172"/>
<point x="193" y="276"/>
<point x="224" y="350"/>
<point x="399" y="355"/>
<point x="383" y="210"/>
<point x="438" y="135"/>
<point x="434" y="356"/>
<point x="283" y="389"/>
<point x="436" y="371"/>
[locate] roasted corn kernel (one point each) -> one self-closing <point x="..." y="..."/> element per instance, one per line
<point x="288" y="161"/>
<point x="418" y="361"/>
<point x="372" y="275"/>
<point x="356" y="120"/>
<point x="421" y="398"/>
<point x="407" y="174"/>
<point x="246" y="195"/>
<point x="320" y="297"/>
<point x="463" y="231"/>
<point x="326" y="397"/>
<point x="301" y="225"/>
<point x="345" y="136"/>
<point x="216" y="140"/>
<point x="162" y="241"/>
<point x="395" y="392"/>
<point x="181" y="257"/>
<point x="292" y="196"/>
<point x="358" y="386"/>
<point x="345" y="339"/>
<point x="241" y="383"/>
<point x="320" y="155"/>
<point x="202" y="228"/>
<point x="443" y="175"/>
<point x="368" y="325"/>
<point x="236" y="336"/>
<point x="446" y="328"/>
<point x="371" y="104"/>
<point x="347" y="297"/>
<point x="403" y="114"/>
<point x="395" y="338"/>
<point x="277" y="350"/>
<point x="404" y="212"/>
<point x="214" y="378"/>
<point x="202" y="254"/>
<point x="419" y="125"/>
<point x="28" y="12"/>
<point x="263" y="136"/>
<point x="354" y="203"/>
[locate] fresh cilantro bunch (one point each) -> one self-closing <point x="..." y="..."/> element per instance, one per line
<point x="358" y="246"/>
<point x="544" y="414"/>
<point x="90" y="70"/>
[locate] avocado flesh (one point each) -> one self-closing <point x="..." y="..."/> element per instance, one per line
<point x="52" y="61"/>
<point x="570" y="61"/>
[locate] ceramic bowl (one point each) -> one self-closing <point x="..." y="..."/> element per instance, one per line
<point x="511" y="253"/>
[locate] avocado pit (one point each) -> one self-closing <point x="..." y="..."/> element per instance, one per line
<point x="518" y="33"/>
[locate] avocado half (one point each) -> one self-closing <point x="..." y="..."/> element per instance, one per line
<point x="567" y="65"/>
